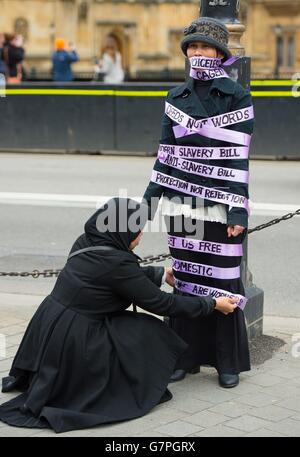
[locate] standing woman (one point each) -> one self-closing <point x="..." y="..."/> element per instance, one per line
<point x="111" y="62"/>
<point x="203" y="162"/>
<point x="13" y="55"/>
<point x="84" y="360"/>
<point x="3" y="66"/>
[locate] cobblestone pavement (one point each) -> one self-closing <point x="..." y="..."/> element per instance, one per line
<point x="266" y="402"/>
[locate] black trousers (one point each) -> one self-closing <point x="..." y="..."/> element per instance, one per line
<point x="218" y="340"/>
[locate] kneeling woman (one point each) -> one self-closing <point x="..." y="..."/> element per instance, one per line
<point x="84" y="360"/>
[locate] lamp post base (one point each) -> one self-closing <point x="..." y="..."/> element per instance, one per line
<point x="254" y="311"/>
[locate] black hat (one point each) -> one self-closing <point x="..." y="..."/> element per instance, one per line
<point x="207" y="30"/>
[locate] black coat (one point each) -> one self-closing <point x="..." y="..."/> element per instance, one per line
<point x="84" y="359"/>
<point x="224" y="95"/>
<point x="12" y="56"/>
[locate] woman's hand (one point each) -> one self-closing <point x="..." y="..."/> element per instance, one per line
<point x="170" y="277"/>
<point x="234" y="230"/>
<point x="226" y="305"/>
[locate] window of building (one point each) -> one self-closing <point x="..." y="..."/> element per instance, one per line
<point x="280" y="51"/>
<point x="21" y="27"/>
<point x="176" y="56"/>
<point x="285" y="47"/>
<point x="291" y="51"/>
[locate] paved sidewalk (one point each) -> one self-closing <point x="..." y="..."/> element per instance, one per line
<point x="266" y="403"/>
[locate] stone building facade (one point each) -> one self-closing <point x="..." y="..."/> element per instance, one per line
<point x="272" y="37"/>
<point x="149" y="32"/>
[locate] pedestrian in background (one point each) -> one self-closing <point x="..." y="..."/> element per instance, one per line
<point x="110" y="63"/>
<point x="62" y="60"/>
<point x="3" y="67"/>
<point x="13" y="55"/>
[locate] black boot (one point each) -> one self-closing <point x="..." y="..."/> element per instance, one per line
<point x="228" y="380"/>
<point x="166" y="396"/>
<point x="178" y="375"/>
<point x="10" y="383"/>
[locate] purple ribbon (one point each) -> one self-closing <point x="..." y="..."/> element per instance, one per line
<point x="206" y="68"/>
<point x="207" y="153"/>
<point x="195" y="190"/>
<point x="205" y="63"/>
<point x="211" y="63"/>
<point x="188" y="166"/>
<point x="207" y="247"/>
<point x="230" y="61"/>
<point x="208" y="271"/>
<point x="206" y="75"/>
<point x="204" y="291"/>
<point x="215" y="133"/>
<point x="211" y="127"/>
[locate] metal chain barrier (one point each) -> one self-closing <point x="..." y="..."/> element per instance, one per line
<point x="34" y="273"/>
<point x="148" y="259"/>
<point x="275" y="221"/>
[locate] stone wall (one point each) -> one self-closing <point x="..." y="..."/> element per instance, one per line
<point x="149" y="32"/>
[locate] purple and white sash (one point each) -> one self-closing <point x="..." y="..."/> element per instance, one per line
<point x="207" y="247"/>
<point x="204" y="153"/>
<point x="208" y="271"/>
<point x="206" y="68"/>
<point x="205" y="63"/>
<point x="195" y="190"/>
<point x="206" y="75"/>
<point x="211" y="127"/>
<point x="188" y="166"/>
<point x="205" y="291"/>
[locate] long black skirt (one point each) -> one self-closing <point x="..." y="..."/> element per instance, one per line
<point x="217" y="340"/>
<point x="76" y="372"/>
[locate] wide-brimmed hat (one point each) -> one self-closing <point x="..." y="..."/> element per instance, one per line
<point x="207" y="30"/>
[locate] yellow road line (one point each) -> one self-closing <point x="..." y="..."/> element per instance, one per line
<point x="141" y="93"/>
<point x="279" y="93"/>
<point x="271" y="82"/>
<point x="58" y="92"/>
<point x="125" y="93"/>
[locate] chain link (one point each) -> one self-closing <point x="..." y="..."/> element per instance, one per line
<point x="275" y="221"/>
<point x="148" y="259"/>
<point x="34" y="273"/>
<point x="155" y="258"/>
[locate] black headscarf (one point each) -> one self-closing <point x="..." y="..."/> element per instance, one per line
<point x="117" y="223"/>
